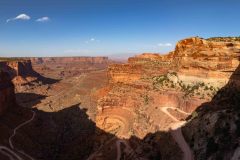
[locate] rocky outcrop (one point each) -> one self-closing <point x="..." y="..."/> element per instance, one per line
<point x="141" y="66"/>
<point x="7" y="95"/>
<point x="213" y="129"/>
<point x="207" y="59"/>
<point x="200" y="68"/>
<point x="125" y="73"/>
<point x="193" y="57"/>
<point x="225" y="39"/>
<point x="20" y="71"/>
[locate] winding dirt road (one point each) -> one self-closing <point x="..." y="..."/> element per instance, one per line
<point x="236" y="155"/>
<point x="12" y="153"/>
<point x="9" y="153"/>
<point x="176" y="132"/>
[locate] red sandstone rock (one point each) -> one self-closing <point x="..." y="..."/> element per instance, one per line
<point x="7" y="96"/>
<point x="20" y="71"/>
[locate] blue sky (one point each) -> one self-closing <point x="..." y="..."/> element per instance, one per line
<point x="107" y="27"/>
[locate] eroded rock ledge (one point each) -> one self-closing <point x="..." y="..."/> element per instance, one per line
<point x="19" y="70"/>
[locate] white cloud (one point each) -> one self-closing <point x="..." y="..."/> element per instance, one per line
<point x="43" y="19"/>
<point x="92" y="40"/>
<point x="23" y="16"/>
<point x="164" y="44"/>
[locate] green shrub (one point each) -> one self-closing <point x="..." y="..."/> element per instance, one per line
<point x="194" y="114"/>
<point x="146" y="99"/>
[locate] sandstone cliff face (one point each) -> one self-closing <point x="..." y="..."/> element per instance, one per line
<point x="193" y="57"/>
<point x="146" y="65"/>
<point x="206" y="59"/>
<point x="7" y="96"/>
<point x="20" y="71"/>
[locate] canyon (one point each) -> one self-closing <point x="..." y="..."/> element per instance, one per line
<point x="182" y="104"/>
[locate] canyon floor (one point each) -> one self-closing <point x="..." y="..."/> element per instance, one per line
<point x="73" y="88"/>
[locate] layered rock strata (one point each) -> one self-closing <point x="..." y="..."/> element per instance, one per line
<point x="20" y="71"/>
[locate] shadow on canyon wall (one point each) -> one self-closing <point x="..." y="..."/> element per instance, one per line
<point x="26" y="71"/>
<point x="214" y="129"/>
<point x="44" y="80"/>
<point x="29" y="99"/>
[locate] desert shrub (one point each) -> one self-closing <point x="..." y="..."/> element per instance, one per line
<point x="146" y="99"/>
<point x="201" y="84"/>
<point x="194" y="114"/>
<point x="174" y="73"/>
<point x="159" y="80"/>
<point x="211" y="88"/>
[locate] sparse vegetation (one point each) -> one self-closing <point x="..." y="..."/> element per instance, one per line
<point x="193" y="115"/>
<point x="191" y="89"/>
<point x="224" y="39"/>
<point x="160" y="80"/>
<point x="146" y="99"/>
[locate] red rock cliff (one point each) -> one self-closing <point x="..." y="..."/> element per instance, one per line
<point x="20" y="71"/>
<point x="192" y="57"/>
<point x="196" y="56"/>
<point x="7" y="95"/>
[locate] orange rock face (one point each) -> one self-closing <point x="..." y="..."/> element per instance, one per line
<point x="125" y="72"/>
<point x="192" y="56"/>
<point x="7" y="96"/>
<point x="146" y="65"/>
<point x="20" y="71"/>
<point x="195" y="56"/>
